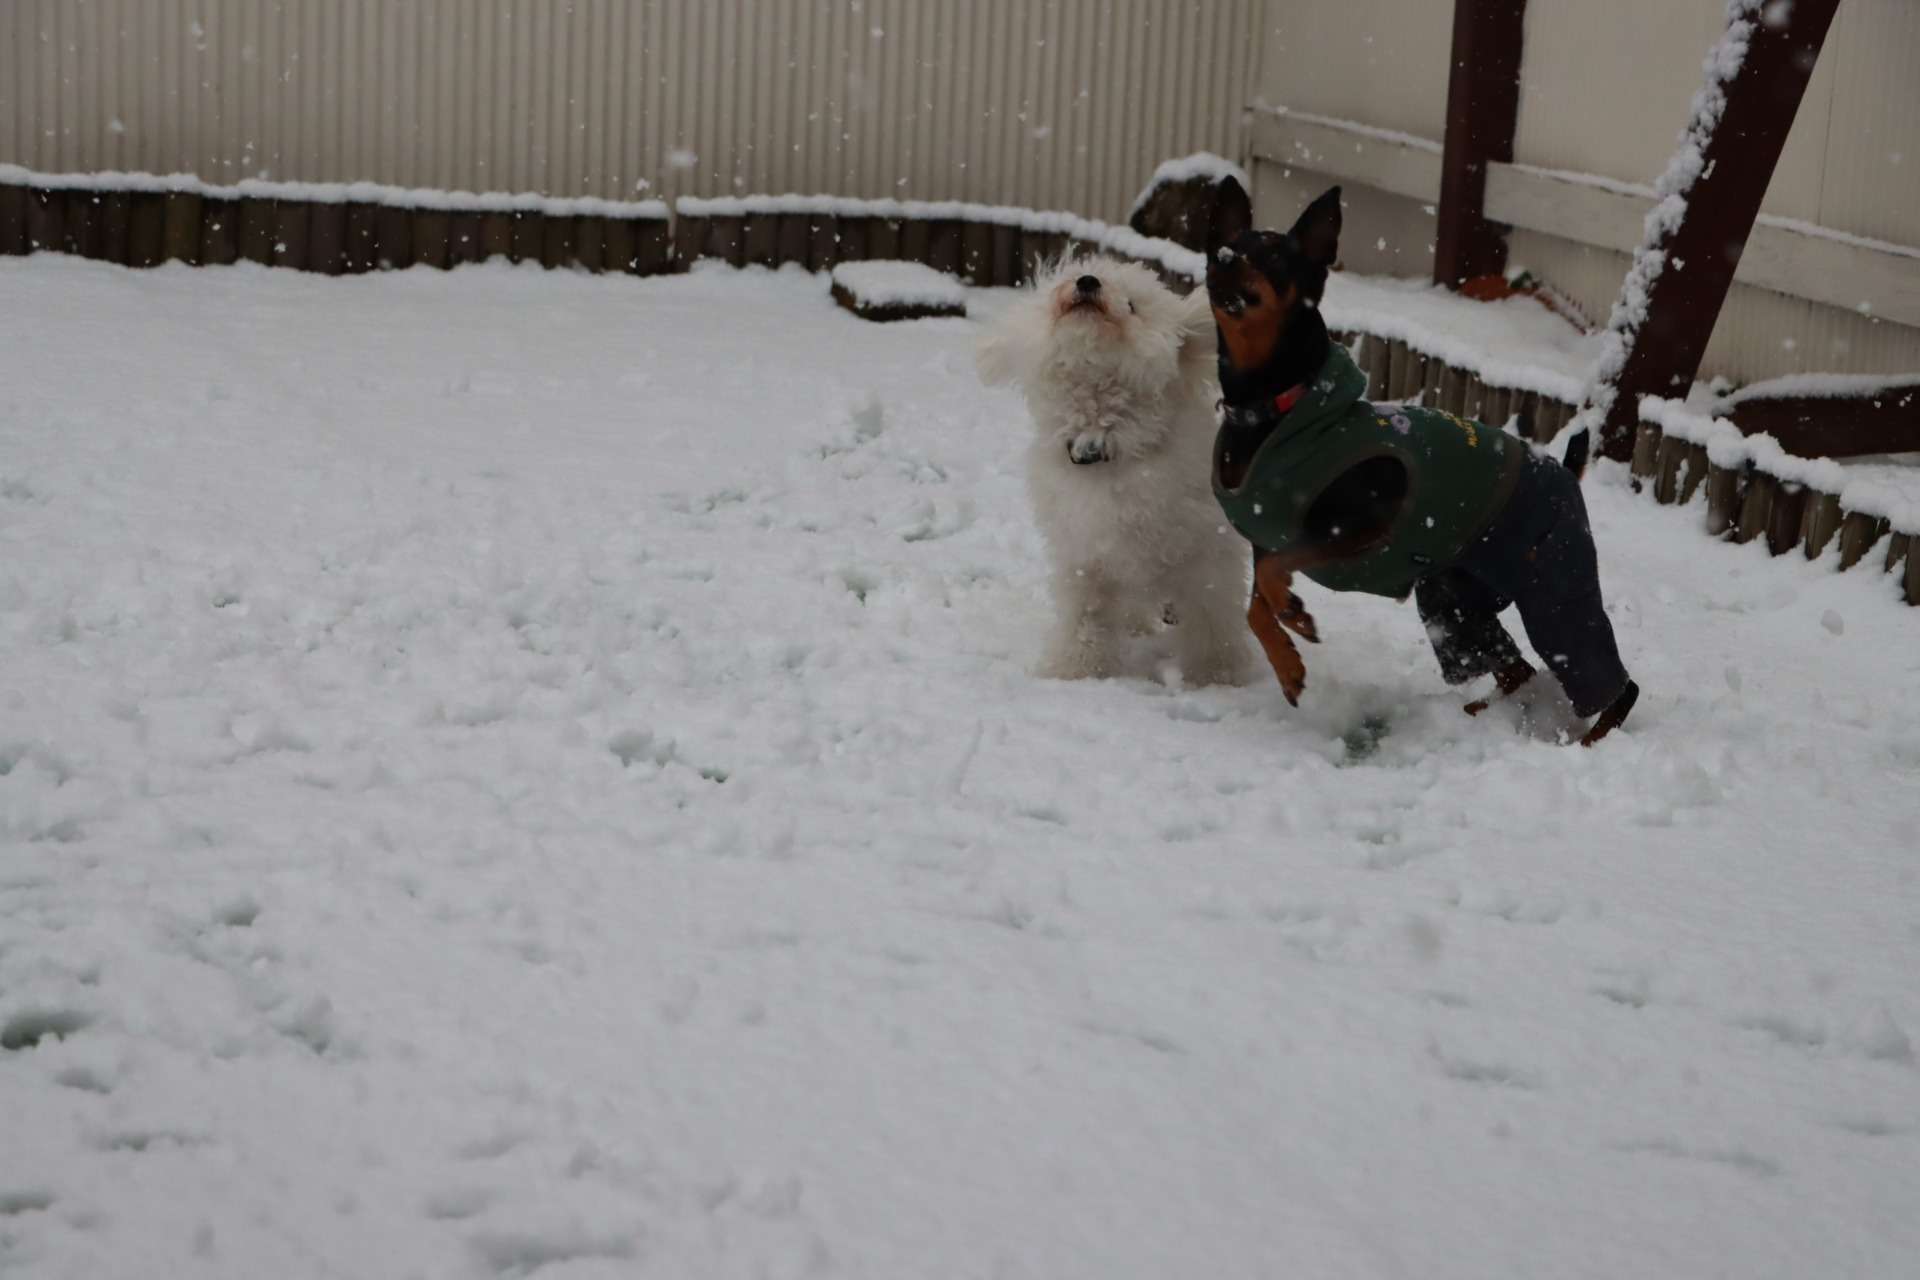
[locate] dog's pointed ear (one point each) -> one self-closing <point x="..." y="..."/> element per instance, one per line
<point x="1318" y="230"/>
<point x="1232" y="215"/>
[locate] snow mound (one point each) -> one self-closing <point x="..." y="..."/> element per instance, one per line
<point x="899" y="284"/>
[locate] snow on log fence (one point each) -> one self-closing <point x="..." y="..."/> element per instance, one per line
<point x="1754" y="490"/>
<point x="143" y="220"/>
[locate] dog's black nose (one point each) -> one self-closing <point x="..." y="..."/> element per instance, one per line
<point x="1088" y="284"/>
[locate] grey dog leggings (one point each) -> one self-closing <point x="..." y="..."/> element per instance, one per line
<point x="1538" y="554"/>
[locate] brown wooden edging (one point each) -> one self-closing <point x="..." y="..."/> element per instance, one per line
<point x="1396" y="371"/>
<point x="1883" y="420"/>
<point x="220" y="227"/>
<point x="982" y="253"/>
<point x="144" y="228"/>
<point x="887" y="312"/>
<point x="1745" y="504"/>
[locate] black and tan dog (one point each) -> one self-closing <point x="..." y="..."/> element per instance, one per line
<point x="1392" y="500"/>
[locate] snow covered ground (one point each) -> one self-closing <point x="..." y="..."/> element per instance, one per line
<point x="509" y="772"/>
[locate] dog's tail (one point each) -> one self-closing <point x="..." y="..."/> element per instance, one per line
<point x="1576" y="455"/>
<point x="1575" y="458"/>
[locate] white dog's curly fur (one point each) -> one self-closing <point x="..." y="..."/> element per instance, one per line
<point x="1119" y="372"/>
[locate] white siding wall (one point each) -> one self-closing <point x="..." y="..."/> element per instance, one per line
<point x="1378" y="62"/>
<point x="1051" y="103"/>
<point x="1605" y="90"/>
<point x="1852" y="162"/>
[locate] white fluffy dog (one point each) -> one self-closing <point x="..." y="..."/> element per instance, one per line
<point x="1119" y="372"/>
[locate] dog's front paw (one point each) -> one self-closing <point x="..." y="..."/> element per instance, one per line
<point x="1088" y="446"/>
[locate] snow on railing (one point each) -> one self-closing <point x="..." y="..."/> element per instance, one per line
<point x="337" y="193"/>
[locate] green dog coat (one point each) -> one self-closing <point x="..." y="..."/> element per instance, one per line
<point x="1459" y="475"/>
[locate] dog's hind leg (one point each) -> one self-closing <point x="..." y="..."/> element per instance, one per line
<point x="1210" y="640"/>
<point x="1275" y="610"/>
<point x="1507" y="681"/>
<point x="1273" y="579"/>
<point x="1611" y="718"/>
<point x="1087" y="635"/>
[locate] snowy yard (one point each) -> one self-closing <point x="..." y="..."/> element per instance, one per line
<point x="507" y="772"/>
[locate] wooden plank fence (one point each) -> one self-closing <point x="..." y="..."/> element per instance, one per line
<point x="145" y="228"/>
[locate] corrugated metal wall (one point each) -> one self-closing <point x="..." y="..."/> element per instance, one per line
<point x="1605" y="90"/>
<point x="1050" y="103"/>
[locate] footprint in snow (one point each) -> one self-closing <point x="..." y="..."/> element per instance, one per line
<point x="1482" y="1072"/>
<point x="24" y="1200"/>
<point x="1632" y="990"/>
<point x="522" y="1253"/>
<point x="29" y="1027"/>
<point x="1732" y="1157"/>
<point x="455" y="1204"/>
<point x="1501" y="905"/>
<point x="1184" y="832"/>
<point x="926" y="523"/>
<point x="1153" y="1040"/>
<point x="1868" y="1126"/>
<point x="83" y="1079"/>
<point x="144" y="1140"/>
<point x="490" y="1147"/>
<point x="1784" y="1029"/>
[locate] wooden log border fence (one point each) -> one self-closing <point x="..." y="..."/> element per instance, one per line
<point x="334" y="231"/>
<point x="1746" y="501"/>
<point x="356" y="228"/>
<point x="337" y="234"/>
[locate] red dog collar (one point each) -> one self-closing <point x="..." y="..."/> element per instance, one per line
<point x="1284" y="402"/>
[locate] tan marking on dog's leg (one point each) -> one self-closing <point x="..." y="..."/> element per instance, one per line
<point x="1281" y="654"/>
<point x="1273" y="580"/>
